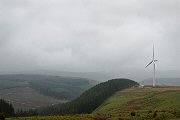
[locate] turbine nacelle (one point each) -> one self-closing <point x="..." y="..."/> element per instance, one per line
<point x="155" y="60"/>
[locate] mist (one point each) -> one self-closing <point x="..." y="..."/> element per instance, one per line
<point x="114" y="37"/>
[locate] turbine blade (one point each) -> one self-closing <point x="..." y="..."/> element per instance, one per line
<point x="149" y="64"/>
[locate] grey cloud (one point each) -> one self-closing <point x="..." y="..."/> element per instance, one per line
<point x="88" y="35"/>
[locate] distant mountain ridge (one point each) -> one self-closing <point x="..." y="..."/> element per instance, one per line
<point x="98" y="76"/>
<point x="162" y="81"/>
<point x="137" y="75"/>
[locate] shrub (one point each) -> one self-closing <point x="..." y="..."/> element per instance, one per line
<point x="177" y="113"/>
<point x="133" y="113"/>
<point x="2" y="116"/>
<point x="150" y="111"/>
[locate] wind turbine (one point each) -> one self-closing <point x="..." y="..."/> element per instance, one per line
<point x="154" y="67"/>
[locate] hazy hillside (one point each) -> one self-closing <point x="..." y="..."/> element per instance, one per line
<point x="137" y="75"/>
<point x="162" y="81"/>
<point x="91" y="98"/>
<point x="46" y="90"/>
<point x="98" y="76"/>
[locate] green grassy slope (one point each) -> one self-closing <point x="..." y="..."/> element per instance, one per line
<point x="144" y="102"/>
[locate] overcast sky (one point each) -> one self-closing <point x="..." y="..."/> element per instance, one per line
<point x="89" y="35"/>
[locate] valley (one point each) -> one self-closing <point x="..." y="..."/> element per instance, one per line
<point x="26" y="91"/>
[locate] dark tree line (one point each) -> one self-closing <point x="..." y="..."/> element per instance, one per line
<point x="30" y="112"/>
<point x="6" y="108"/>
<point x="90" y="99"/>
<point x="85" y="103"/>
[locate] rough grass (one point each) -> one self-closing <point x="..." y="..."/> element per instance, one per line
<point x="163" y="101"/>
<point x="49" y="118"/>
<point x="66" y="117"/>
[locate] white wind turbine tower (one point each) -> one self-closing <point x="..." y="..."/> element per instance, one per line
<point x="154" y="67"/>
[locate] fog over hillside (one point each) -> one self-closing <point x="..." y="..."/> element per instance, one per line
<point x="113" y="38"/>
<point x="137" y="75"/>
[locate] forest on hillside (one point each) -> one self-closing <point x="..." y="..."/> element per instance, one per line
<point x="90" y="99"/>
<point x="6" y="108"/>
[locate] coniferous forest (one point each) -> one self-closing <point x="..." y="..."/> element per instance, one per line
<point x="90" y="99"/>
<point x="6" y="108"/>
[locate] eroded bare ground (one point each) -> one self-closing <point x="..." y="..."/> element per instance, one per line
<point x="138" y="103"/>
<point x="26" y="98"/>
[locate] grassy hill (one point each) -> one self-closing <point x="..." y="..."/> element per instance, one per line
<point x="46" y="90"/>
<point x="144" y="103"/>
